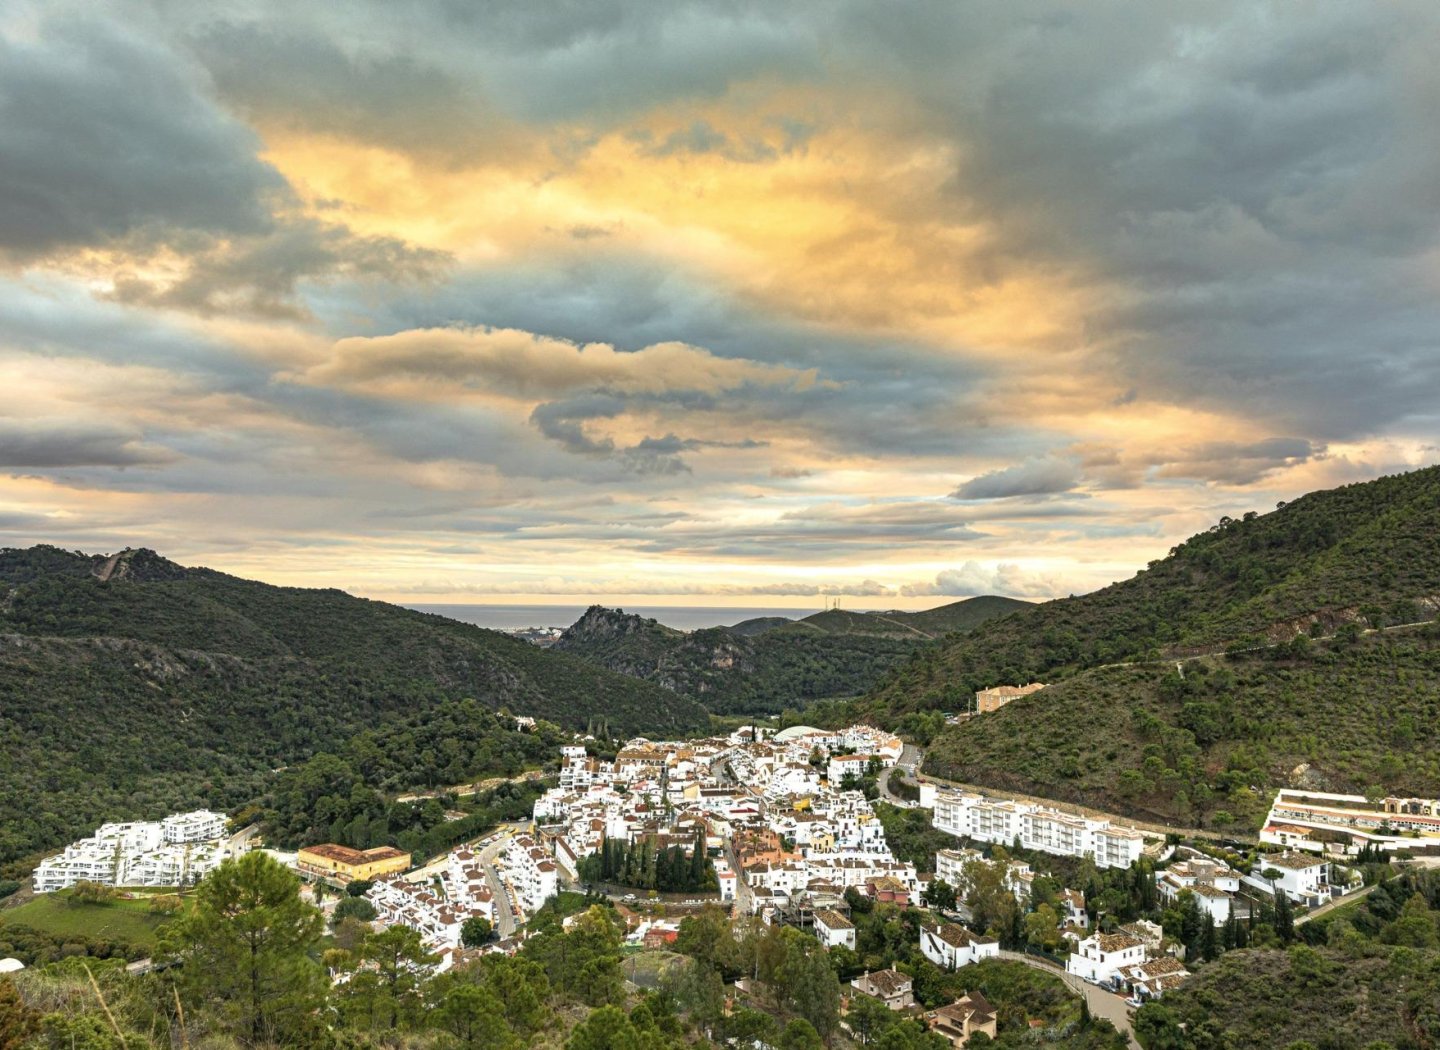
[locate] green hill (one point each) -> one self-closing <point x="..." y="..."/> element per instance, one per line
<point x="129" y="685"/>
<point x="1176" y="730"/>
<point x="964" y="615"/>
<point x="759" y="625"/>
<point x="1350" y="716"/>
<point x="836" y="653"/>
<point x="1364" y="552"/>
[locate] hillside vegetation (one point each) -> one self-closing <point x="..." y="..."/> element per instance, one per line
<point x="163" y="686"/>
<point x="1350" y="716"/>
<point x="763" y="666"/>
<point x="1365" y="552"/>
<point x="1306" y="696"/>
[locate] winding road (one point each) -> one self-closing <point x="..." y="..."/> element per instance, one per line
<point x="1102" y="1003"/>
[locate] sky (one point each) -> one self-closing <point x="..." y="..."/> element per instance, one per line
<point x="707" y="303"/>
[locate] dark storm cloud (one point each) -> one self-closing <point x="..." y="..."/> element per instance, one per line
<point x="109" y="141"/>
<point x="41" y="444"/>
<point x="102" y="136"/>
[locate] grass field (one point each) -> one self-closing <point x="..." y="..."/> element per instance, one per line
<point x="121" y="920"/>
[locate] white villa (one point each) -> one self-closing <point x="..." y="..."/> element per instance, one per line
<point x="951" y="946"/>
<point x="1100" y="957"/>
<point x="834" y="930"/>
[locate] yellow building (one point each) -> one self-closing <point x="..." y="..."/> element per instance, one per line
<point x="347" y="865"/>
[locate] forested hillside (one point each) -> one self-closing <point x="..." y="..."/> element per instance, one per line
<point x="162" y="686"/>
<point x="1365" y="553"/>
<point x="767" y="665"/>
<point x="1197" y="744"/>
<point x="1365" y="976"/>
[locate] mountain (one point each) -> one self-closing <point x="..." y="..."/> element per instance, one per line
<point x="129" y="684"/>
<point x="768" y="664"/>
<point x="1249" y="657"/>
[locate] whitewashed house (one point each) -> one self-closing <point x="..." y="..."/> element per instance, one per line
<point x="834" y="930"/>
<point x="1100" y="957"/>
<point x="951" y="945"/>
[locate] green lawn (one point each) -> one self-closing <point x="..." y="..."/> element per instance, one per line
<point x="120" y="920"/>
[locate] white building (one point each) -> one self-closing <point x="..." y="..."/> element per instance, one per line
<point x="1036" y="827"/>
<point x="834" y="930"/>
<point x="1154" y="977"/>
<point x="842" y="765"/>
<point x="951" y="946"/>
<point x="1214" y="884"/>
<point x="199" y="826"/>
<point x="529" y="871"/>
<point x="177" y="851"/>
<point x="1100" y="957"/>
<point x="1303" y="878"/>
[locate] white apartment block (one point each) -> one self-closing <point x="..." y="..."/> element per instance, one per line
<point x="1035" y="827"/>
<point x="177" y="851"/>
<point x="529" y="872"/>
<point x="1393" y="825"/>
<point x="950" y="865"/>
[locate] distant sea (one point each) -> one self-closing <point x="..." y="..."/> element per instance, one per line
<point x="681" y="617"/>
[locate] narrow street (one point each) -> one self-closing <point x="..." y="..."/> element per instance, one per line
<point x="505" y="922"/>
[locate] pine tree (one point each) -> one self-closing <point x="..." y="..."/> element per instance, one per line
<point x="245" y="949"/>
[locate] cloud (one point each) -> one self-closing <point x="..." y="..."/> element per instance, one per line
<point x="1036" y="477"/>
<point x="109" y="144"/>
<point x="973" y="579"/>
<point x="1238" y="463"/>
<point x="102" y="136"/>
<point x="453" y="362"/>
<point x="43" y="444"/>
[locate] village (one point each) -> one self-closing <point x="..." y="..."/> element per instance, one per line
<point x="781" y="828"/>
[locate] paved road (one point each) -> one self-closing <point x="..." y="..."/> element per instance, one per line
<point x="505" y="922"/>
<point x="907" y="766"/>
<point x="1102" y="1003"/>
